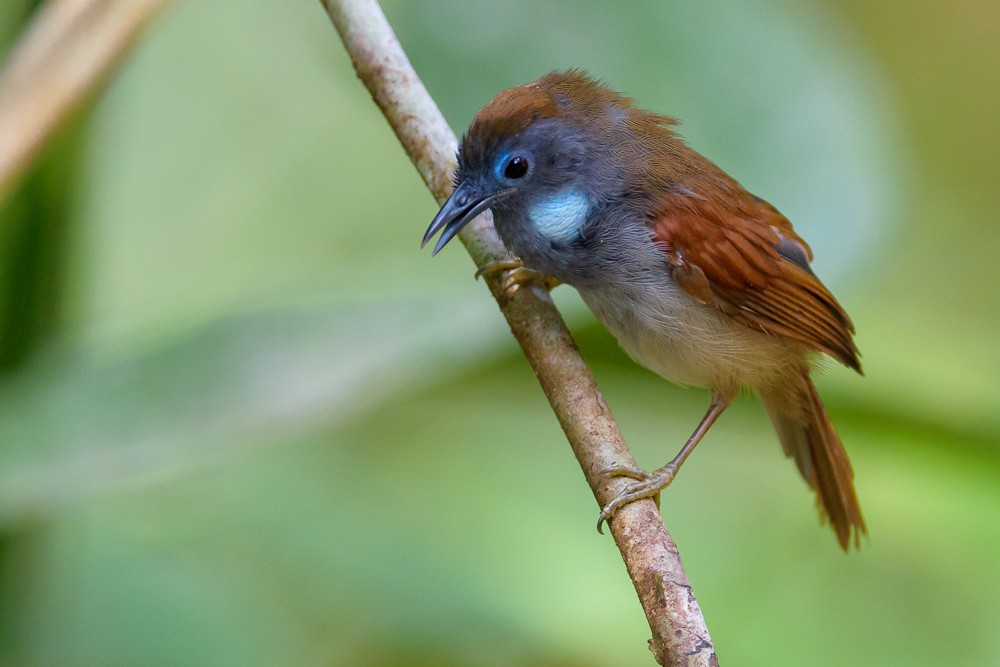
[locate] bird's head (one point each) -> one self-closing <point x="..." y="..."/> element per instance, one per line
<point x="542" y="156"/>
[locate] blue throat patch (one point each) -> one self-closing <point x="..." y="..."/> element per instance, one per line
<point x="561" y="216"/>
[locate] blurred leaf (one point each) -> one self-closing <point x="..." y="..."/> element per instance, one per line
<point x="33" y="250"/>
<point x="72" y="431"/>
<point x="244" y="169"/>
<point x="13" y="16"/>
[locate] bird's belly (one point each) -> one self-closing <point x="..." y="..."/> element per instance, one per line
<point x="684" y="340"/>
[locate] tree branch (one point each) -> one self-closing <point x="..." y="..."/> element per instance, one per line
<point x="680" y="636"/>
<point x="70" y="47"/>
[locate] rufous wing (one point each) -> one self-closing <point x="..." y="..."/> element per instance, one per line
<point x="743" y="258"/>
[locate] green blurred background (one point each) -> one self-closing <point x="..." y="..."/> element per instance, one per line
<point x="244" y="420"/>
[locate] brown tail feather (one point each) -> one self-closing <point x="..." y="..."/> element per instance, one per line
<point x="807" y="436"/>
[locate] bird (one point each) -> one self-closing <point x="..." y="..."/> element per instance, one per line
<point x="699" y="280"/>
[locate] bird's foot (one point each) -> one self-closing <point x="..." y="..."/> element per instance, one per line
<point x="646" y="485"/>
<point x="515" y="275"/>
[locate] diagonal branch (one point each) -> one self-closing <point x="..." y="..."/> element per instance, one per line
<point x="680" y="636"/>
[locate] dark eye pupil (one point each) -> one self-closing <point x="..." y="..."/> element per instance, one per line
<point x="516" y="168"/>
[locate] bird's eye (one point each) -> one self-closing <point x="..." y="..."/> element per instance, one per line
<point x="516" y="168"/>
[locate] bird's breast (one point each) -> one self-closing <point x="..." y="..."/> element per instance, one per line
<point x="682" y="339"/>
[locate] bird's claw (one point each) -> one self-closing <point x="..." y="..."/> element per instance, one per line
<point x="647" y="485"/>
<point x="498" y="266"/>
<point x="625" y="471"/>
<point x="515" y="275"/>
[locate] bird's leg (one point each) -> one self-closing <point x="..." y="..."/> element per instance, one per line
<point x="649" y="484"/>
<point x="516" y="274"/>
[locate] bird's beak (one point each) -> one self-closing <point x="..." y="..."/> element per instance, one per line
<point x="462" y="206"/>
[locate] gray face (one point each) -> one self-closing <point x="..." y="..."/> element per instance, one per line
<point x="545" y="186"/>
<point x="554" y="152"/>
<point x="545" y="172"/>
